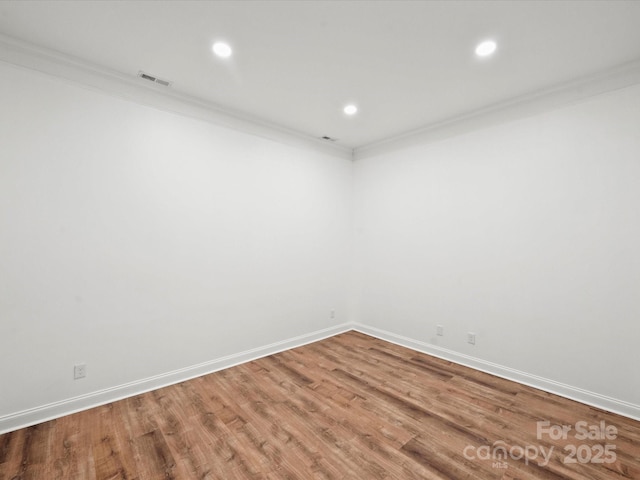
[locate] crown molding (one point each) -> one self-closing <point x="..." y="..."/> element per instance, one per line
<point x="129" y="87"/>
<point x="557" y="96"/>
<point x="78" y="71"/>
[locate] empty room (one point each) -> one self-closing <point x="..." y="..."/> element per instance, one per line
<point x="319" y="240"/>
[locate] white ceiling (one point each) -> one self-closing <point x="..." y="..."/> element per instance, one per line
<point x="407" y="65"/>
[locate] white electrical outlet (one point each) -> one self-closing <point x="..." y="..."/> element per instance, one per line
<point x="440" y="330"/>
<point x="332" y="314"/>
<point x="471" y="338"/>
<point x="79" y="371"/>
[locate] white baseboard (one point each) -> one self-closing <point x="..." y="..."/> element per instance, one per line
<point x="584" y="396"/>
<point x="68" y="406"/>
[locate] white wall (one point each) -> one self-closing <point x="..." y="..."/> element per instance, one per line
<point x="526" y="233"/>
<point x="141" y="242"/>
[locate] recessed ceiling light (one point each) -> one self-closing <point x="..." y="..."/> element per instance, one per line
<point x="350" y="110"/>
<point x="486" y="48"/>
<point x="222" y="49"/>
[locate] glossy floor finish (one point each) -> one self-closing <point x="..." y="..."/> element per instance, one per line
<point x="348" y="407"/>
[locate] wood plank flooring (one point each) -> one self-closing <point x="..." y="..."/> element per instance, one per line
<point x="348" y="407"/>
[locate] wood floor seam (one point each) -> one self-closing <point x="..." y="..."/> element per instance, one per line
<point x="346" y="407"/>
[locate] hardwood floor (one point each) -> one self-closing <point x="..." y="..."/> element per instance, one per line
<point x="348" y="407"/>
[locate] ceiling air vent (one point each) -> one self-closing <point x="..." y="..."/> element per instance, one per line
<point x="153" y="79"/>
